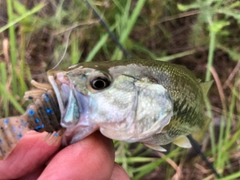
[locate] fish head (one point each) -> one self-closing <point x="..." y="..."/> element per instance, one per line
<point x="119" y="100"/>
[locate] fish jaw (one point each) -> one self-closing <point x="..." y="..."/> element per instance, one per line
<point x="74" y="108"/>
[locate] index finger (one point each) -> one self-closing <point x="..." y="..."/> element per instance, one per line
<point x="90" y="158"/>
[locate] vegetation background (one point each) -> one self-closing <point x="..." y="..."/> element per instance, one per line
<point x="202" y="35"/>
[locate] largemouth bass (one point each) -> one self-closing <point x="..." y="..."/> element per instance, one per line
<point x="145" y="101"/>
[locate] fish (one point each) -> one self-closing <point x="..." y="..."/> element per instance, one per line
<point x="147" y="101"/>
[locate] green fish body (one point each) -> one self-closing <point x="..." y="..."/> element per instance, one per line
<point x="146" y="101"/>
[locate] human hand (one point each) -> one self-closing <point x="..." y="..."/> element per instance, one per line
<point x="90" y="158"/>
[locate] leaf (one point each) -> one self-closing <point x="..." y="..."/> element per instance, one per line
<point x="19" y="8"/>
<point x="29" y="13"/>
<point x="182" y="7"/>
<point x="218" y="25"/>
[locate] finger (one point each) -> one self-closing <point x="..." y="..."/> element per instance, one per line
<point x="33" y="175"/>
<point x="90" y="158"/>
<point x="119" y="173"/>
<point x="30" y="153"/>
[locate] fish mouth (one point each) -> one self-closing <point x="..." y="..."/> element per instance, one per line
<point x="72" y="103"/>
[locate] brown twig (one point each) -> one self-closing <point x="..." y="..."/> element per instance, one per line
<point x="5" y="50"/>
<point x="219" y="87"/>
<point x="232" y="75"/>
<point x="178" y="16"/>
<point x="178" y="175"/>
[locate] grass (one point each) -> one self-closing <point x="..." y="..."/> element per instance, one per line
<point x="39" y="33"/>
<point x="216" y="27"/>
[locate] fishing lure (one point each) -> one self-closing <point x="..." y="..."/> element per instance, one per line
<point x="42" y="115"/>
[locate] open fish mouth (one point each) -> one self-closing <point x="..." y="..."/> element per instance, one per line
<point x="72" y="103"/>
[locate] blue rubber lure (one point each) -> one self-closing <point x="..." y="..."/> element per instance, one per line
<point x="42" y="114"/>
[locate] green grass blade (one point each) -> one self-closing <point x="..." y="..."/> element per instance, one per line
<point x="97" y="47"/>
<point x="178" y="55"/>
<point x="11" y="98"/>
<point x="234" y="176"/>
<point x="30" y="12"/>
<point x="75" y="53"/>
<point x="3" y="82"/>
<point x="145" y="169"/>
<point x="130" y="23"/>
<point x="13" y="50"/>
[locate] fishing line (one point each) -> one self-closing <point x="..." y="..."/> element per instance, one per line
<point x="111" y="34"/>
<point x="197" y="148"/>
<point x="65" y="50"/>
<point x="64" y="53"/>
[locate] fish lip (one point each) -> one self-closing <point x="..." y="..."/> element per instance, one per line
<point x="56" y="84"/>
<point x="61" y="88"/>
<point x="72" y="103"/>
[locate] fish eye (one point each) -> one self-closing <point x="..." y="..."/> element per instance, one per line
<point x="100" y="83"/>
